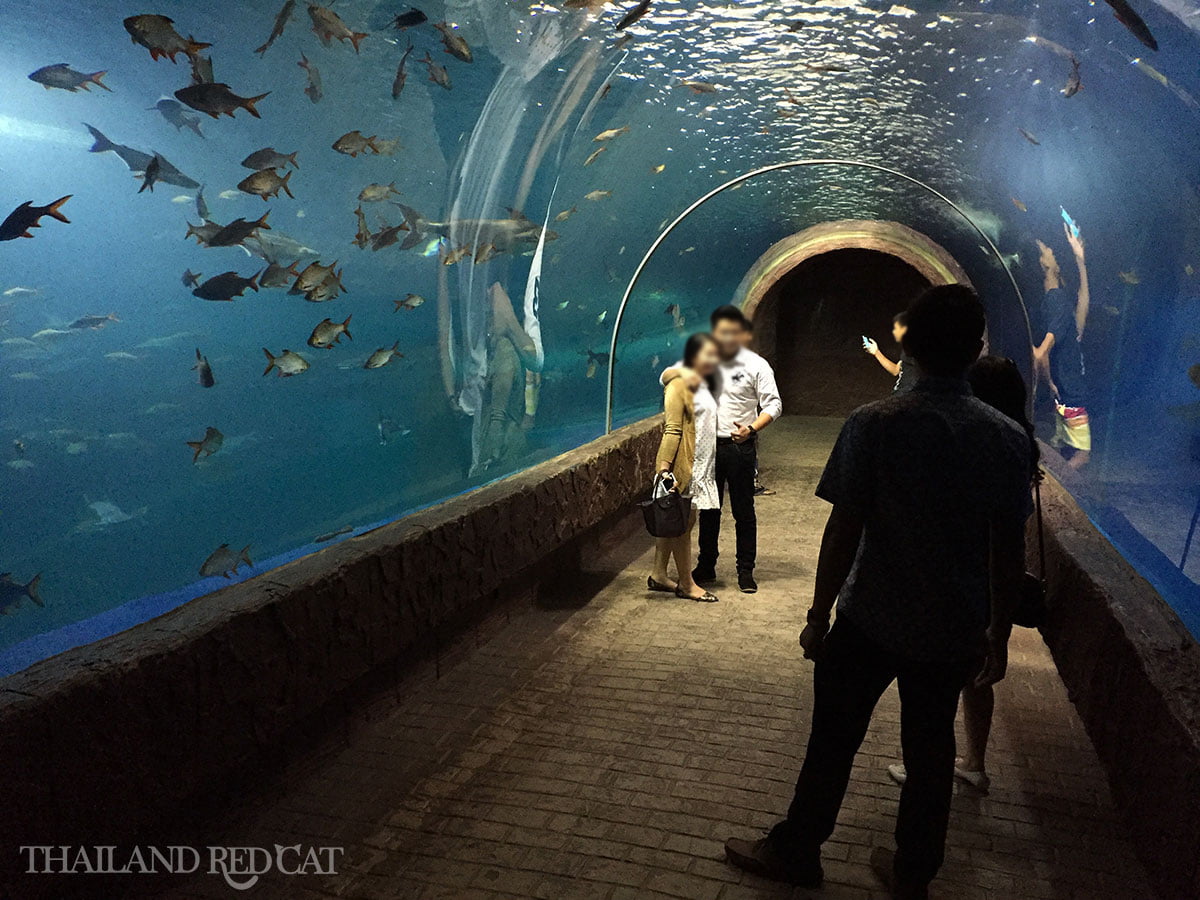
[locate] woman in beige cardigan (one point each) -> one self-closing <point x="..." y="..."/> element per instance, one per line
<point x="687" y="458"/>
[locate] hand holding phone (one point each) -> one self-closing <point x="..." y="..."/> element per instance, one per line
<point x="1066" y="216"/>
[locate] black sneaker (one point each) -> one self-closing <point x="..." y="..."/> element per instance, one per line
<point x="746" y="582"/>
<point x="761" y="858"/>
<point x="704" y="574"/>
<point x="883" y="864"/>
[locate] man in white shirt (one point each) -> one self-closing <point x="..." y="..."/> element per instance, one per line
<point x="748" y="402"/>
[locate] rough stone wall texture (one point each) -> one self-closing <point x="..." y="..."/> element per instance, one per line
<point x="1133" y="672"/>
<point x="126" y="739"/>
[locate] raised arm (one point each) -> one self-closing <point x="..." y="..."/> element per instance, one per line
<point x="892" y="368"/>
<point x="1084" y="301"/>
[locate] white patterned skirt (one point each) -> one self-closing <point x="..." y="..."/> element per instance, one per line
<point x="703" y="489"/>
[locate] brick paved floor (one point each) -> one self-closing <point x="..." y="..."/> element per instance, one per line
<point x="606" y="750"/>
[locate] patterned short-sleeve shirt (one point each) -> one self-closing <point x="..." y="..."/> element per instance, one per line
<point x="929" y="471"/>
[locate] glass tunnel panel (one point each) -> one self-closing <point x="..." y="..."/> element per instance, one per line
<point x="505" y="203"/>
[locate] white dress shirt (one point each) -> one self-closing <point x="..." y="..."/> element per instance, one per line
<point x="747" y="387"/>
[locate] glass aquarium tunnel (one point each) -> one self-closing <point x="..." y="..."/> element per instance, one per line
<point x="320" y="266"/>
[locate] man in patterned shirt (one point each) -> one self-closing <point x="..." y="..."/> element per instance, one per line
<point x="924" y="555"/>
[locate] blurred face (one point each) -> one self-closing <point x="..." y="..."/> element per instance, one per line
<point x="747" y="338"/>
<point x="707" y="360"/>
<point x="899" y="331"/>
<point x="1048" y="260"/>
<point x="729" y="335"/>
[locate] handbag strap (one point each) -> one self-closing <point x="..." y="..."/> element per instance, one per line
<point x="1041" y="525"/>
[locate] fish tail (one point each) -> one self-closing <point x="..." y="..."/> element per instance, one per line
<point x="95" y="77"/>
<point x="291" y="157"/>
<point x="356" y="38"/>
<point x="199" y="358"/>
<point x="194" y="46"/>
<point x="263" y="49"/>
<point x="346" y="327"/>
<point x="303" y="62"/>
<point x="54" y="208"/>
<point x="197" y="446"/>
<point x="284" y="184"/>
<point x="248" y="104"/>
<point x="253" y="283"/>
<point x="291" y="270"/>
<point x="396" y="348"/>
<point x="262" y="223"/>
<point x="270" y="361"/>
<point x="244" y="556"/>
<point x="337" y="276"/>
<point x="371" y="144"/>
<point x="32" y="592"/>
<point x="102" y="143"/>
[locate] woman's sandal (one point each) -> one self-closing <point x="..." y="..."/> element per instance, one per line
<point x="659" y="586"/>
<point x="706" y="597"/>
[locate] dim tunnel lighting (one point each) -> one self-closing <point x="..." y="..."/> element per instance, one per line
<point x="775" y="167"/>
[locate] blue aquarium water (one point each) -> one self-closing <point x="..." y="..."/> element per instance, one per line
<point x="483" y="201"/>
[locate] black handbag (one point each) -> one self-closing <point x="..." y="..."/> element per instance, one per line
<point x="1031" y="606"/>
<point x="667" y="512"/>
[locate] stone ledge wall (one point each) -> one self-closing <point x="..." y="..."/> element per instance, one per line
<point x="131" y="738"/>
<point x="1133" y="672"/>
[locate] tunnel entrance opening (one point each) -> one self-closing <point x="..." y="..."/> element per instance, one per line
<point x="814" y="294"/>
<point x="823" y="308"/>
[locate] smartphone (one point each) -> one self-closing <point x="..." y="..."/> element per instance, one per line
<point x="866" y="342"/>
<point x="1070" y="222"/>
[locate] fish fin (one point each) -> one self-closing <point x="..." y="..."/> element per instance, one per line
<point x="53" y="210"/>
<point x="270" y="361"/>
<point x="248" y="104"/>
<point x="291" y="157"/>
<point x="346" y="327"/>
<point x="291" y="270"/>
<point x="396" y="348"/>
<point x="196" y="446"/>
<point x="199" y="358"/>
<point x="284" y="184"/>
<point x="194" y="46"/>
<point x="262" y="223"/>
<point x="356" y="38"/>
<point x="31" y="589"/>
<point x="371" y="143"/>
<point x="303" y="61"/>
<point x="102" y="143"/>
<point x="263" y="49"/>
<point x="253" y="284"/>
<point x="95" y="77"/>
<point x="245" y="556"/>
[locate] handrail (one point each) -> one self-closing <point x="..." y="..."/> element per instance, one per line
<point x="797" y="163"/>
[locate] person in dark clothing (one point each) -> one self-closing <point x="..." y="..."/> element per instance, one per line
<point x="1059" y="357"/>
<point x="924" y="555"/>
<point x="905" y="371"/>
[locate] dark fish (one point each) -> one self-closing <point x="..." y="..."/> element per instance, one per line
<point x="454" y="43"/>
<point x="63" y="77"/>
<point x="1136" y="24"/>
<point x="190" y="278"/>
<point x="203" y="370"/>
<point x="328" y="25"/>
<point x="410" y="19"/>
<point x="634" y="14"/>
<point x="202" y="70"/>
<point x="201" y="205"/>
<point x="594" y="362"/>
<point x="237" y="231"/>
<point x="12" y="593"/>
<point x="437" y="74"/>
<point x="212" y="440"/>
<point x="26" y="216"/>
<point x="217" y="99"/>
<point x="150" y="176"/>
<point x="281" y="21"/>
<point x="401" y="74"/>
<point x="1074" y="84"/>
<point x="385" y="237"/>
<point x="275" y="275"/>
<point x="313" y="88"/>
<point x="270" y="158"/>
<point x="1029" y="137"/>
<point x="223" y="561"/>
<point x="226" y="286"/>
<point x="137" y="161"/>
<point x="158" y="35"/>
<point x="93" y="323"/>
<point x="175" y="113"/>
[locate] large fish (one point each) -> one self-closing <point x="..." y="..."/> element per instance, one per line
<point x="276" y="246"/>
<point x="503" y="234"/>
<point x="224" y="561"/>
<point x="281" y="20"/>
<point x="270" y="158"/>
<point x="175" y="113"/>
<point x="26" y="216"/>
<point x="265" y="183"/>
<point x="454" y="43"/>
<point x="328" y="25"/>
<point x="63" y="77"/>
<point x="137" y="161"/>
<point x="217" y="100"/>
<point x="207" y="445"/>
<point x="328" y="333"/>
<point x="203" y="372"/>
<point x="237" y="231"/>
<point x="158" y="35"/>
<point x="313" y="89"/>
<point x="12" y="594"/>
<point x="1137" y="26"/>
<point x="287" y="363"/>
<point x="224" y="287"/>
